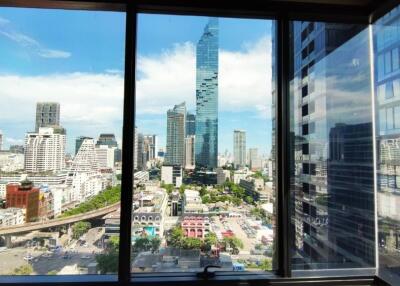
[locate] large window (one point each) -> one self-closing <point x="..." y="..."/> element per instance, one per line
<point x="61" y="98"/>
<point x="333" y="226"/>
<point x="388" y="147"/>
<point x="261" y="145"/>
<point x="204" y="190"/>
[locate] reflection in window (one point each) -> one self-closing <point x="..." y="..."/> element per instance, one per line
<point x="61" y="113"/>
<point x="204" y="156"/>
<point x="328" y="222"/>
<point x="387" y="38"/>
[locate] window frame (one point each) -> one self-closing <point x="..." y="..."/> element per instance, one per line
<point x="282" y="12"/>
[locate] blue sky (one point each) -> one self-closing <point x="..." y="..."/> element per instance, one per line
<point x="77" y="58"/>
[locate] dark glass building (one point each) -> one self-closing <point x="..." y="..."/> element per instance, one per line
<point x="206" y="144"/>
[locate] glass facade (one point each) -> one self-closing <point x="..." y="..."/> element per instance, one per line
<point x="386" y="36"/>
<point x="206" y="148"/>
<point x="332" y="187"/>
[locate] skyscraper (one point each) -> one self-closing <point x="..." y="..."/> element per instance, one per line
<point x="239" y="148"/>
<point x="150" y="146"/>
<point x="206" y="146"/>
<point x="190" y="124"/>
<point x="45" y="150"/>
<point x="176" y="130"/>
<point x="140" y="154"/>
<point x="255" y="161"/>
<point x="47" y="114"/>
<point x="189" y="152"/>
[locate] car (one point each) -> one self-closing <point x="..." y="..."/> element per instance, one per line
<point x="28" y="257"/>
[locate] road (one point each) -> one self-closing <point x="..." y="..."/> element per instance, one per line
<point x="80" y="257"/>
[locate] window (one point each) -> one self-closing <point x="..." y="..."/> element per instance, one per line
<point x="389" y="90"/>
<point x="388" y="204"/>
<point x="202" y="165"/>
<point x="61" y="120"/>
<point x="343" y="145"/>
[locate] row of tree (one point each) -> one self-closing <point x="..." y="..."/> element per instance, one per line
<point x="105" y="198"/>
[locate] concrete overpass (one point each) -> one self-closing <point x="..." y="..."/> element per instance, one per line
<point x="27" y="227"/>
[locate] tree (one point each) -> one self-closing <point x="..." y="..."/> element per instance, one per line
<point x="249" y="200"/>
<point x="192" y="243"/>
<point x="23" y="270"/>
<point x="155" y="244"/>
<point x="52" y="272"/>
<point x="176" y="237"/>
<point x="266" y="264"/>
<point x="108" y="262"/>
<point x="210" y="240"/>
<point x="80" y="228"/>
<point x="234" y="243"/>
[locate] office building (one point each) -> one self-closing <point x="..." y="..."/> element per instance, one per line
<point x="86" y="159"/>
<point x="206" y="146"/>
<point x="255" y="161"/>
<point x="45" y="150"/>
<point x="239" y="148"/>
<point x="190" y="124"/>
<point x="107" y="139"/>
<point x="105" y="156"/>
<point x="189" y="152"/>
<point x="47" y="114"/>
<point x="176" y="130"/>
<point x="150" y="147"/>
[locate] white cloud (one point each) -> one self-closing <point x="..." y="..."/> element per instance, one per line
<point x="86" y="99"/>
<point x="53" y="54"/>
<point x="29" y="43"/>
<point x="13" y="141"/>
<point x="170" y="78"/>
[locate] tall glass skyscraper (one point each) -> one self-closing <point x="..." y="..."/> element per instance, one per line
<point x="207" y="97"/>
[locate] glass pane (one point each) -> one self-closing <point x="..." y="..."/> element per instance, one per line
<point x="332" y="226"/>
<point x="61" y="99"/>
<point x="204" y="189"/>
<point x="388" y="160"/>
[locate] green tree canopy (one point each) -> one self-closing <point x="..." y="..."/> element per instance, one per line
<point x="79" y="228"/>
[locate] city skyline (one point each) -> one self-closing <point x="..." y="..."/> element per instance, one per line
<point x="39" y="71"/>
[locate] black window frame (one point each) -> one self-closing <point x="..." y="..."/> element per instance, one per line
<point x="282" y="12"/>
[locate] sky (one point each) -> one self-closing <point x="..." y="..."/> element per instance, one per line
<point x="76" y="58"/>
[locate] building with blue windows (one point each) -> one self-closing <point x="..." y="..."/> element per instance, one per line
<point x="206" y="146"/>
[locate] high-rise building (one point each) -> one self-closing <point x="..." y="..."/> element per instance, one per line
<point x="107" y="139"/>
<point x="135" y="147"/>
<point x="387" y="103"/>
<point x="190" y="124"/>
<point x="327" y="115"/>
<point x="45" y="150"/>
<point x="79" y="141"/>
<point x="47" y="114"/>
<point x="85" y="160"/>
<point x="105" y="156"/>
<point x="189" y="152"/>
<point x="206" y="147"/>
<point x="176" y="130"/>
<point x="150" y="147"/>
<point x="18" y="149"/>
<point x="1" y="141"/>
<point x="24" y="196"/>
<point x="255" y="161"/>
<point x="140" y="154"/>
<point x="239" y="148"/>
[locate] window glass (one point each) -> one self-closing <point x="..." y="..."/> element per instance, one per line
<point x="389" y="90"/>
<point x="204" y="152"/>
<point x="388" y="63"/>
<point x="61" y="109"/>
<point x="388" y="166"/>
<point x="327" y="224"/>
<point x="381" y="67"/>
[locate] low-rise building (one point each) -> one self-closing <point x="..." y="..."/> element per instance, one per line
<point x="149" y="212"/>
<point x="192" y="203"/>
<point x="25" y="196"/>
<point x="172" y="175"/>
<point x="255" y="188"/>
<point x="195" y="226"/>
<point x="12" y="216"/>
